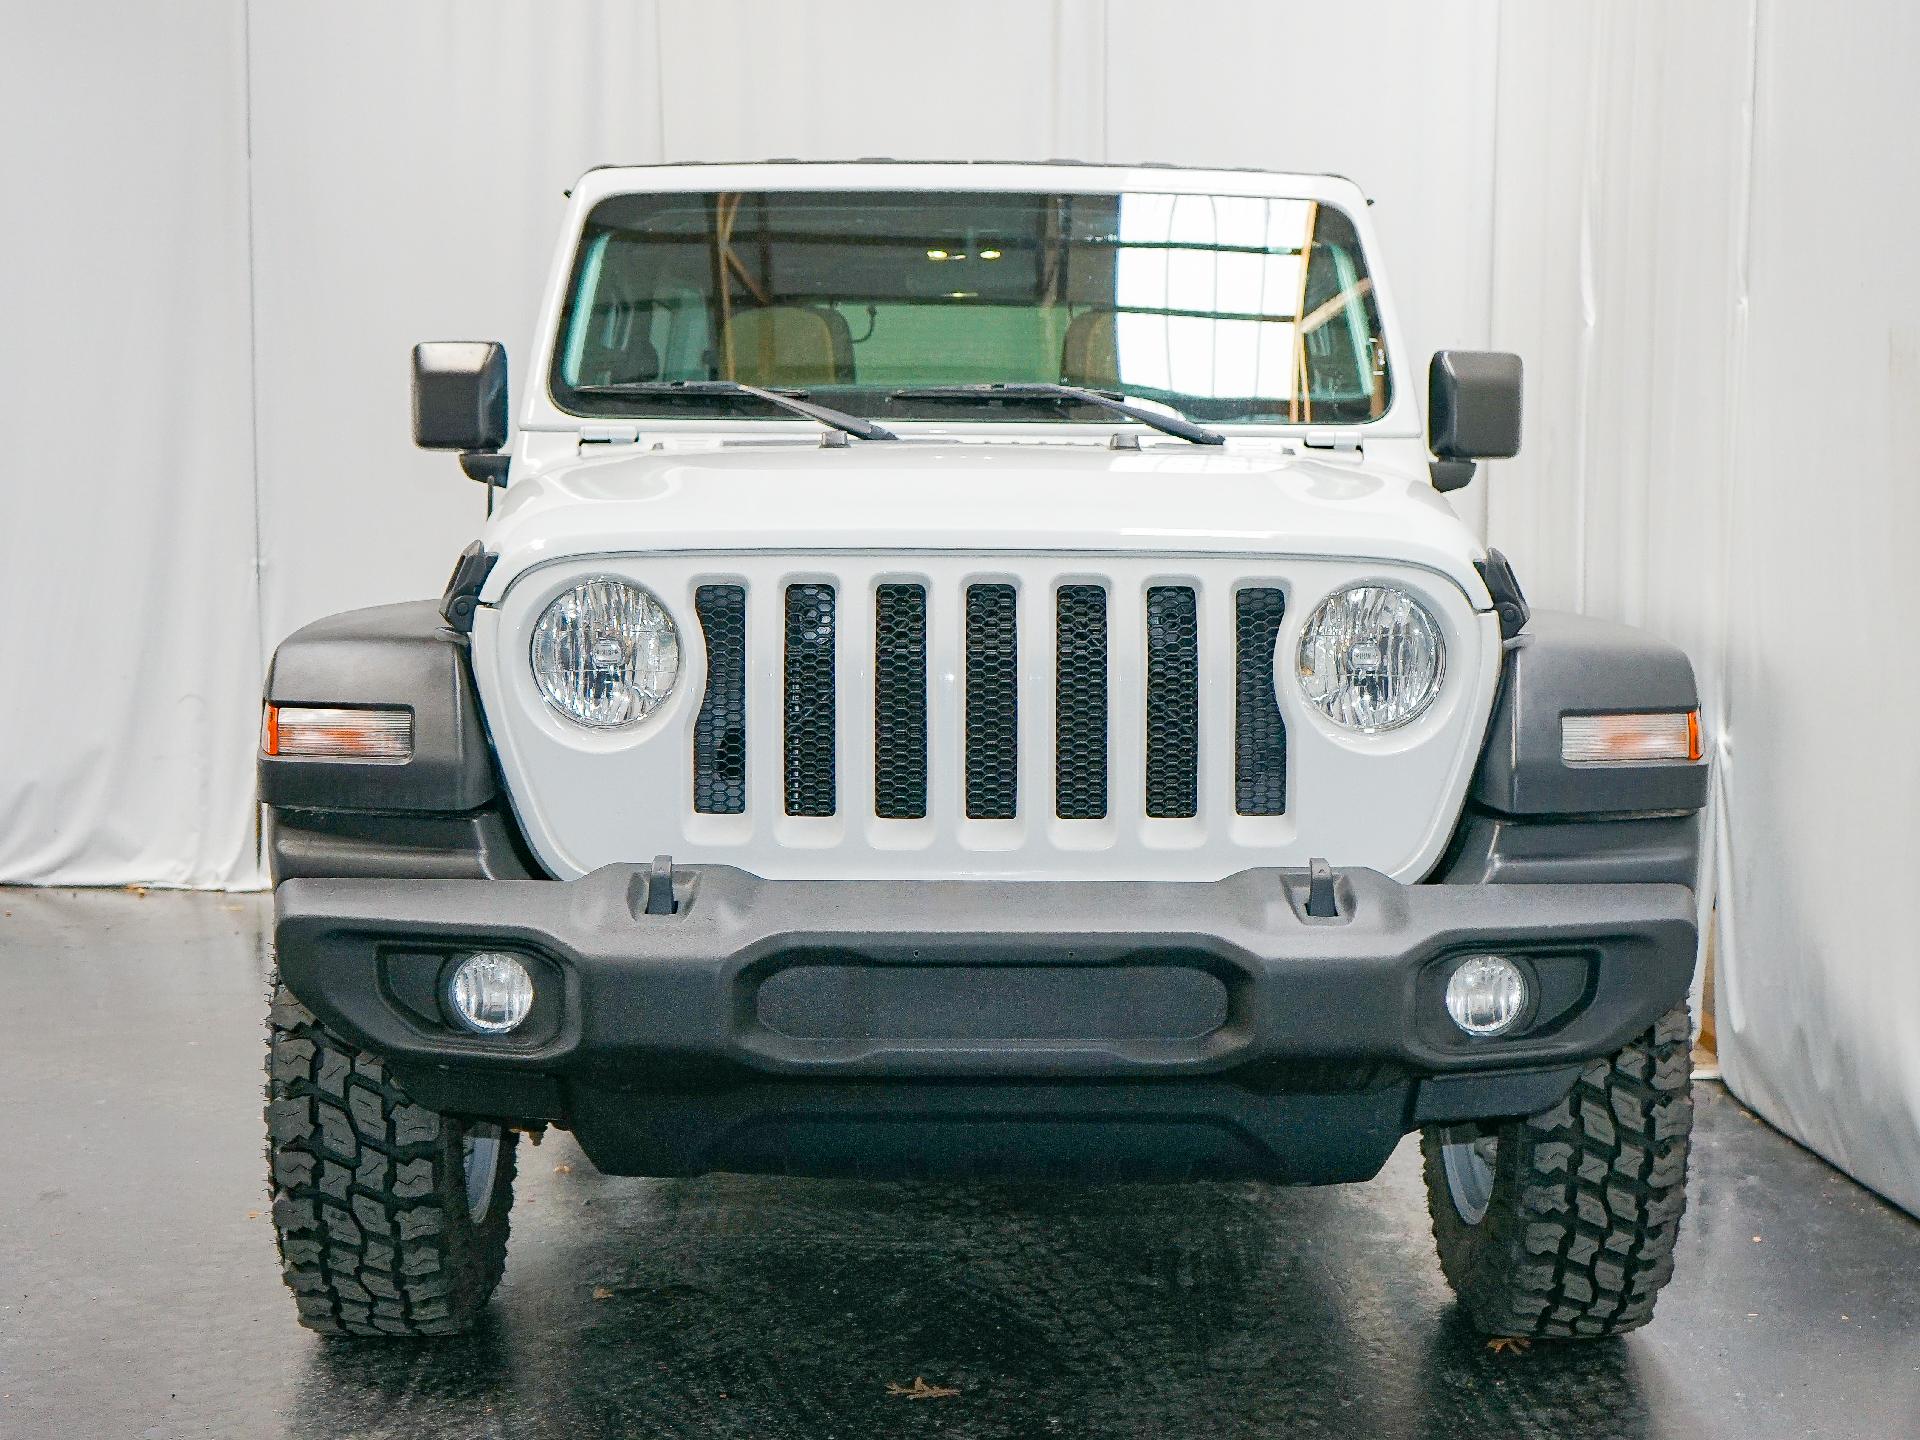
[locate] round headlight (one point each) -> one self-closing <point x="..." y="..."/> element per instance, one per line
<point x="605" y="654"/>
<point x="1371" y="657"/>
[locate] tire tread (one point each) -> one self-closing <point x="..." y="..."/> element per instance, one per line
<point x="1579" y="1237"/>
<point x="369" y="1192"/>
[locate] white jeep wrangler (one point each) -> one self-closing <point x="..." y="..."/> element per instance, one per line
<point x="971" y="674"/>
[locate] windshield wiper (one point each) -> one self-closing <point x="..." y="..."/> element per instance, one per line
<point x="853" y="425"/>
<point x="1045" y="393"/>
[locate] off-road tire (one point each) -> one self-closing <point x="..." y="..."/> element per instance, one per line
<point x="1578" y="1235"/>
<point x="370" y="1191"/>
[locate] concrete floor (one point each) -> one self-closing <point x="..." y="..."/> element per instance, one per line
<point x="139" y="1294"/>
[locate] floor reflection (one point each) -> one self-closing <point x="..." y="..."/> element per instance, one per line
<point x="774" y="1308"/>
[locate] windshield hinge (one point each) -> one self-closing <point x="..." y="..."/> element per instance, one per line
<point x="462" y="595"/>
<point x="1504" y="587"/>
<point x="609" y="434"/>
<point x="1341" y="443"/>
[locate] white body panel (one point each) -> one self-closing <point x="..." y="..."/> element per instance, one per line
<point x="976" y="498"/>
<point x="590" y="798"/>
<point x="674" y="504"/>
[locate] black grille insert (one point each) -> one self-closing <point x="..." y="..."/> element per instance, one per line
<point x="1173" y="703"/>
<point x="1259" y="730"/>
<point x="810" y="700"/>
<point x="993" y="713"/>
<point x="1080" y="703"/>
<point x="900" y="702"/>
<point x="720" y="732"/>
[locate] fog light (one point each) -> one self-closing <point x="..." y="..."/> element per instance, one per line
<point x="491" y="992"/>
<point x="1486" y="994"/>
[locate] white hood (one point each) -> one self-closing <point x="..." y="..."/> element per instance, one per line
<point x="974" y="497"/>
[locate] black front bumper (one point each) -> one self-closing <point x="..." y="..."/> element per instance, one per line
<point x="934" y="1027"/>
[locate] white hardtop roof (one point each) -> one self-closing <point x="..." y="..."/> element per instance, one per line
<point x="878" y="173"/>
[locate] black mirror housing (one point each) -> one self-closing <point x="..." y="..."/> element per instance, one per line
<point x="1473" y="405"/>
<point x="460" y="395"/>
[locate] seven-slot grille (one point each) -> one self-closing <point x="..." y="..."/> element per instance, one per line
<point x="989" y="615"/>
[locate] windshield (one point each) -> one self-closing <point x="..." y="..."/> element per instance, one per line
<point x="1226" y="308"/>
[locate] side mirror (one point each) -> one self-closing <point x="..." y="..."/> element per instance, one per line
<point x="1473" y="412"/>
<point x="460" y="403"/>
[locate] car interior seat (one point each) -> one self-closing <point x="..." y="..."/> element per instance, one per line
<point x="1090" y="353"/>
<point x="791" y="345"/>
<point x="615" y="349"/>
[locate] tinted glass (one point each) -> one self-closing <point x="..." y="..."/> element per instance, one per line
<point x="1227" y="308"/>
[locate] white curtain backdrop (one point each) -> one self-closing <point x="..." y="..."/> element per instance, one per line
<point x="1703" y="246"/>
<point x="227" y="221"/>
<point x="129" y="610"/>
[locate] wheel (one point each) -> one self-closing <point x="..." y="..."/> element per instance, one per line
<point x="1562" y="1225"/>
<point x="391" y="1218"/>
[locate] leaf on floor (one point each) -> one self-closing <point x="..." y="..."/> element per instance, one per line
<point x="563" y="1169"/>
<point x="601" y="1292"/>
<point x="1509" y="1345"/>
<point x="921" y="1390"/>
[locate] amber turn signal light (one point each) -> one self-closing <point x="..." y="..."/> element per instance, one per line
<point x="314" y="732"/>
<point x="1630" y="739"/>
